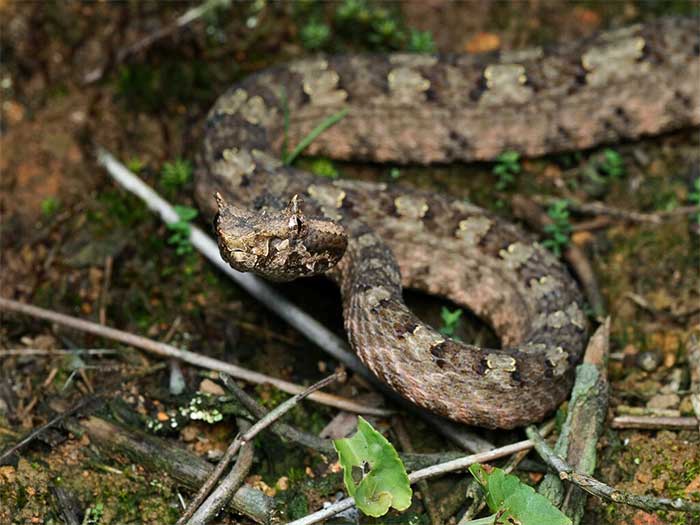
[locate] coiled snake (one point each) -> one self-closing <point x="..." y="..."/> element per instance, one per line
<point x="372" y="239"/>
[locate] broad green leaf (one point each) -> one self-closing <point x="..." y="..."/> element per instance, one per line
<point x="510" y="498"/>
<point x="381" y="477"/>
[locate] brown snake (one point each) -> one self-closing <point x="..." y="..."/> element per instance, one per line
<point x="422" y="109"/>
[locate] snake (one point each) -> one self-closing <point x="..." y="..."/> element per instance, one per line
<point x="373" y="238"/>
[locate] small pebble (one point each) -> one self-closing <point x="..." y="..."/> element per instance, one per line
<point x="664" y="401"/>
<point x="648" y="361"/>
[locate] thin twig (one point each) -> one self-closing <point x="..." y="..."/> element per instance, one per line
<point x="654" y="423"/>
<point x="598" y="208"/>
<point x="220" y="497"/>
<point x="84" y="402"/>
<point x="584" y="424"/>
<point x="10" y="352"/>
<point x="323" y="446"/>
<point x="600" y="489"/>
<point x="418" y="475"/>
<point x="247" y="436"/>
<point x="193" y="358"/>
<point x="182" y="21"/>
<point x="285" y="309"/>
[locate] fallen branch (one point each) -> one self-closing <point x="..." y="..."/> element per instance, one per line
<point x="693" y="344"/>
<point x="600" y="489"/>
<point x="229" y="485"/>
<point x="84" y="402"/>
<point x="161" y="456"/>
<point x="247" y="436"/>
<point x="598" y="208"/>
<point x="418" y="475"/>
<point x="654" y="423"/>
<point x="584" y="424"/>
<point x="193" y="358"/>
<point x="324" y="446"/>
<point x="182" y="21"/>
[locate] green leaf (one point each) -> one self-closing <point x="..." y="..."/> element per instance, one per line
<point x="185" y="212"/>
<point x="382" y="479"/>
<point x="508" y="496"/>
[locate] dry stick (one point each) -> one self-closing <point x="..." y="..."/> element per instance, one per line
<point x="529" y="211"/>
<point x="187" y="18"/>
<point x="163" y="456"/>
<point x="277" y="303"/>
<point x="247" y="436"/>
<point x="324" y="446"/>
<point x="584" y="424"/>
<point x="654" y="423"/>
<point x="426" y="473"/>
<point x="193" y="358"/>
<point x="220" y="497"/>
<point x="74" y="409"/>
<point x="598" y="208"/>
<point x="600" y="489"/>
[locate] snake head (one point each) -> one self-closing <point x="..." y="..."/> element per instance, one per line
<point x="280" y="245"/>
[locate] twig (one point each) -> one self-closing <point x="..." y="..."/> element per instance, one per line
<point x="10" y="352"/>
<point x="584" y="424"/>
<point x="72" y="410"/>
<point x="598" y="208"/>
<point x="531" y="213"/>
<point x="163" y="456"/>
<point x="286" y="310"/>
<point x="324" y="446"/>
<point x="600" y="489"/>
<point x="675" y="316"/>
<point x="219" y="498"/>
<point x="187" y="18"/>
<point x="247" y="436"/>
<point x="418" y="475"/>
<point x="654" y="423"/>
<point x="193" y="358"/>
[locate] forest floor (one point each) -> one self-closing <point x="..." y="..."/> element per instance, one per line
<point x="75" y="243"/>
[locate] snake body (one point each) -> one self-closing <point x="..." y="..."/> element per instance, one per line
<point x="422" y="109"/>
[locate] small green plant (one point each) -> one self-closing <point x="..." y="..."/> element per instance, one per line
<point x="93" y="514"/>
<point x="314" y="34"/>
<point x="324" y="167"/>
<point x="512" y="501"/>
<point x="560" y="228"/>
<point x="289" y="158"/>
<point x="612" y="164"/>
<point x="175" y="174"/>
<point x="135" y="165"/>
<point x="49" y="206"/>
<point x="694" y="197"/>
<point x="373" y="472"/>
<point x="394" y="173"/>
<point x="506" y="168"/>
<point x="421" y="42"/>
<point x="181" y="229"/>
<point x="450" y="320"/>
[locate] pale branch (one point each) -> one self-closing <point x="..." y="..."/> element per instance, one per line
<point x="654" y="423"/>
<point x="418" y="475"/>
<point x="314" y="331"/>
<point x="323" y="446"/>
<point x="220" y="496"/>
<point x="600" y="489"/>
<point x="247" y="436"/>
<point x="693" y="345"/>
<point x="598" y="208"/>
<point x="193" y="358"/>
